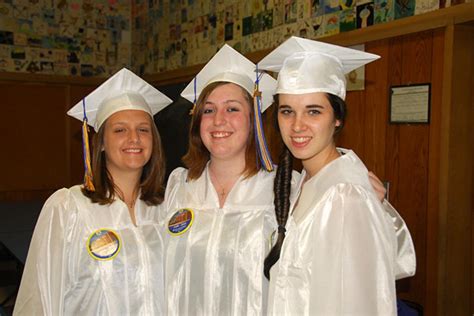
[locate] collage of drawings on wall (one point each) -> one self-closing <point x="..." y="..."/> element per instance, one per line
<point x="98" y="37"/>
<point x="180" y="33"/>
<point x="64" y="37"/>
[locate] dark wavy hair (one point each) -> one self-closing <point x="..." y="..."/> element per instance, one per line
<point x="151" y="180"/>
<point x="197" y="156"/>
<point x="282" y="182"/>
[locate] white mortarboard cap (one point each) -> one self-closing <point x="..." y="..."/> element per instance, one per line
<point x="307" y="66"/>
<point x="228" y="65"/>
<point x="123" y="91"/>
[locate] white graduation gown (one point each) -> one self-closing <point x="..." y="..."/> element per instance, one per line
<point x="216" y="266"/>
<point x="342" y="257"/>
<point x="62" y="278"/>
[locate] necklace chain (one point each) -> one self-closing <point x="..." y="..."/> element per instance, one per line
<point x="132" y="202"/>
<point x="222" y="192"/>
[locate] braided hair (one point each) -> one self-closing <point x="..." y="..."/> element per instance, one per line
<point x="281" y="190"/>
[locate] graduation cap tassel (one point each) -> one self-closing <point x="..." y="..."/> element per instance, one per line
<point x="88" y="183"/>
<point x="262" y="148"/>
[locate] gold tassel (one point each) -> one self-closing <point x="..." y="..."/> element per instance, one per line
<point x="88" y="178"/>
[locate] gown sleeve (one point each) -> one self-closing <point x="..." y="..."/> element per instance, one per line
<point x="406" y="257"/>
<point x="352" y="257"/>
<point x="43" y="283"/>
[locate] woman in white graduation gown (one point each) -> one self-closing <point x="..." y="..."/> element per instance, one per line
<point x="97" y="249"/>
<point x="337" y="249"/>
<point x="220" y="209"/>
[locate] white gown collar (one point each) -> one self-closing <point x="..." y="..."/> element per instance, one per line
<point x="246" y="193"/>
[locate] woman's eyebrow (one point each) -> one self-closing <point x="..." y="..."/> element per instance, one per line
<point x="124" y="123"/>
<point x="233" y="101"/>
<point x="226" y="101"/>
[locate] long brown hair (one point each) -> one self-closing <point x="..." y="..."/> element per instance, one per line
<point x="151" y="180"/>
<point x="197" y="156"/>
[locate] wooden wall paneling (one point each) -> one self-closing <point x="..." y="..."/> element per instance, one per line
<point x="392" y="152"/>
<point x="414" y="141"/>
<point x="33" y="130"/>
<point x="376" y="108"/>
<point x="472" y="193"/>
<point x="351" y="135"/>
<point x="48" y="152"/>
<point x="444" y="154"/>
<point x="457" y="168"/>
<point x="471" y="114"/>
<point x="433" y="175"/>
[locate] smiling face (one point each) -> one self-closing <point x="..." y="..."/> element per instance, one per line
<point x="225" y="122"/>
<point x="307" y="125"/>
<point x="128" y="141"/>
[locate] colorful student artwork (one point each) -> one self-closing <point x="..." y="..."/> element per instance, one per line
<point x="365" y="15"/>
<point x="73" y="38"/>
<point x="404" y="8"/>
<point x="96" y="38"/>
